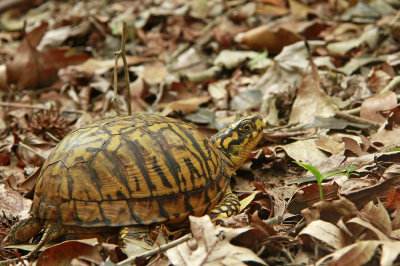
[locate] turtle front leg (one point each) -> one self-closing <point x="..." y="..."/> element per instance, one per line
<point x="229" y="205"/>
<point x="24" y="230"/>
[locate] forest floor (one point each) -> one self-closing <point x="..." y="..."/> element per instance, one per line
<point x="324" y="75"/>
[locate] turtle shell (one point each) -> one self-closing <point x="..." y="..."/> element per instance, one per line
<point x="137" y="169"/>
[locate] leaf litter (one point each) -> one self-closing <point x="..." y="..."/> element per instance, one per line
<point x="323" y="74"/>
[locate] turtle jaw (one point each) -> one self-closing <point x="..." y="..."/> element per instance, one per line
<point x="238" y="139"/>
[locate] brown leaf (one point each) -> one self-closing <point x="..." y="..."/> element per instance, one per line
<point x="299" y="10"/>
<point x="393" y="199"/>
<point x="352" y="146"/>
<point x="13" y="176"/>
<point x="13" y="203"/>
<point x="356" y="254"/>
<point x="225" y="32"/>
<point x="330" y="211"/>
<point x="64" y="253"/>
<point x="256" y="220"/>
<point x="263" y="204"/>
<point x="263" y="37"/>
<point x="33" y="150"/>
<point x="273" y="10"/>
<point x="3" y="77"/>
<point x="30" y="182"/>
<point x="370" y="107"/>
<point x="356" y="184"/>
<point x="154" y="74"/>
<point x="6" y="145"/>
<point x="378" y="216"/>
<point x="329" y="144"/>
<point x="211" y="245"/>
<point x="377" y="80"/>
<point x="365" y="230"/>
<point x="31" y="68"/>
<point x="363" y="196"/>
<point x="309" y="194"/>
<point x="388" y="135"/>
<point x="305" y="151"/>
<point x="311" y="101"/>
<point x="326" y="232"/>
<point x="185" y="106"/>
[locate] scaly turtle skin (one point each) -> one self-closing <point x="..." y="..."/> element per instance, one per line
<point x="137" y="170"/>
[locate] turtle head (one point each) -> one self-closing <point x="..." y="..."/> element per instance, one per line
<point x="238" y="139"/>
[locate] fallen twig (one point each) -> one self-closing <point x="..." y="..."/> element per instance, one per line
<point x="152" y="252"/>
<point x="22" y="105"/>
<point x="23" y="145"/>
<point x="356" y="119"/>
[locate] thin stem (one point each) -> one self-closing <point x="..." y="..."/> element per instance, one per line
<point x="115" y="97"/>
<point x="23" y="145"/>
<point x="128" y="93"/>
<point x="121" y="53"/>
<point x="320" y="190"/>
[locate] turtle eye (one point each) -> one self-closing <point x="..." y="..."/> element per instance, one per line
<point x="246" y="127"/>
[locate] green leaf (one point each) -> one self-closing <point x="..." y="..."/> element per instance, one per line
<point x="351" y="168"/>
<point x="310" y="168"/>
<point x="330" y="174"/>
<point x="258" y="57"/>
<point x="393" y="150"/>
<point x="348" y="170"/>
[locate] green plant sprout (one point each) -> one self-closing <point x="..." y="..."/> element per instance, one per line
<point x="258" y="57"/>
<point x="393" y="150"/>
<point x="348" y="171"/>
<point x="318" y="176"/>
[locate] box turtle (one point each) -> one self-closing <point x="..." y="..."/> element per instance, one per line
<point x="136" y="170"/>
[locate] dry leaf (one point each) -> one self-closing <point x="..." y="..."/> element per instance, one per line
<point x="356" y="254"/>
<point x="264" y="37"/>
<point x="326" y="232"/>
<point x="13" y="203"/>
<point x="329" y="144"/>
<point x="390" y="181"/>
<point x="305" y="151"/>
<point x="358" y="226"/>
<point x="210" y="245"/>
<point x="299" y="10"/>
<point x="377" y="80"/>
<point x="154" y="74"/>
<point x="31" y="68"/>
<point x="310" y="102"/>
<point x="64" y="253"/>
<point x="186" y="106"/>
<point x="378" y="216"/>
<point x="361" y="253"/>
<point x="330" y="211"/>
<point x="308" y="195"/>
<point x="370" y="107"/>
